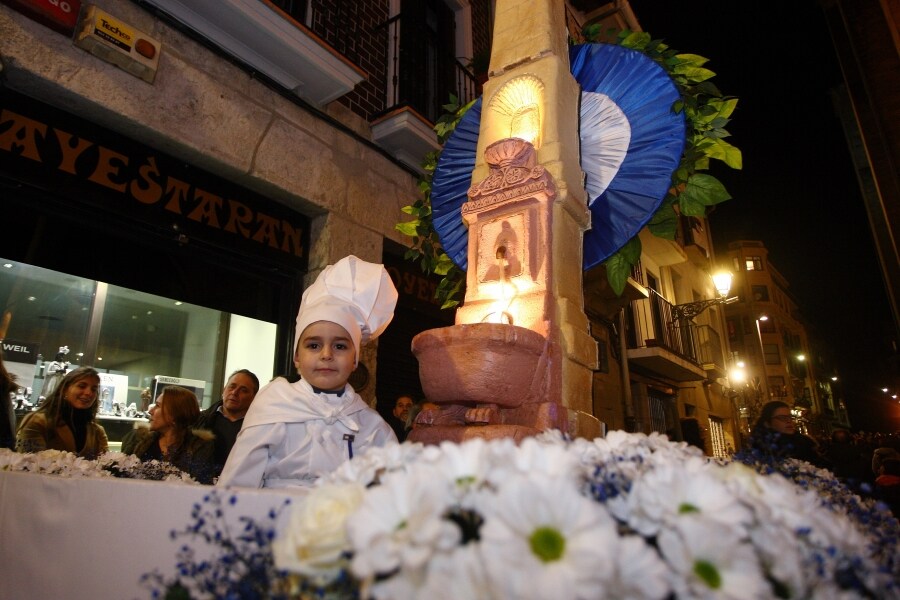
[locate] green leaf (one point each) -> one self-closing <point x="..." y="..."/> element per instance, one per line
<point x="632" y="250"/>
<point x="724" y="106"/>
<point x="407" y="228"/>
<point x="693" y="73"/>
<point x="444" y="264"/>
<point x="664" y="223"/>
<point x="701" y="191"/>
<point x="635" y="40"/>
<point x="722" y="150"/>
<point x="617" y="272"/>
<point x="449" y="304"/>
<point x="692" y="59"/>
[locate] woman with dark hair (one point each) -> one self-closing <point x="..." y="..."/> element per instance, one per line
<point x="66" y="420"/>
<point x="170" y="437"/>
<point x="775" y="434"/>
<point x="8" y="386"/>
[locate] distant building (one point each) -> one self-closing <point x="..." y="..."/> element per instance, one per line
<point x="657" y="367"/>
<point x="773" y="355"/>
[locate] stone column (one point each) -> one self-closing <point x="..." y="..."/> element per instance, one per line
<point x="531" y="95"/>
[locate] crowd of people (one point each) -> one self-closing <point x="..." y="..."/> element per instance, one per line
<point x="289" y="433"/>
<point x="869" y="463"/>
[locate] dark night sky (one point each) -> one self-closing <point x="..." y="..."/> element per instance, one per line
<point x="797" y="192"/>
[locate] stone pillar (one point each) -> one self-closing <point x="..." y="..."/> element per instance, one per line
<point x="531" y="95"/>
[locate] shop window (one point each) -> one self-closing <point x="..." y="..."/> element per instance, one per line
<point x="134" y="339"/>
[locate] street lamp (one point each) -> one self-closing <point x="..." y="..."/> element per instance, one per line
<point x="762" y="356"/>
<point x="689" y="310"/>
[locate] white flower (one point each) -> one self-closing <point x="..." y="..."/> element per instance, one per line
<point x="454" y="575"/>
<point x="711" y="562"/>
<point x="11" y="461"/>
<point x="401" y="524"/>
<point x="316" y="538"/>
<point x="781" y="556"/>
<point x="367" y="467"/>
<point x="639" y="571"/>
<point x="465" y="466"/>
<point x="669" y="492"/>
<point x="554" y="540"/>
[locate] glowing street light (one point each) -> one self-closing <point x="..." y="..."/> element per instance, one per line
<point x="762" y="355"/>
<point x="689" y="310"/>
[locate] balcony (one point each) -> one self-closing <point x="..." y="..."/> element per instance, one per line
<point x="422" y="78"/>
<point x="270" y="41"/>
<point x="680" y="351"/>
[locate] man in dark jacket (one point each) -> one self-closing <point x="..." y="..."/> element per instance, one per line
<point x="224" y="418"/>
<point x="400" y="415"/>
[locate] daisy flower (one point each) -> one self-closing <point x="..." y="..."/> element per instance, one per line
<point x="712" y="562"/>
<point x="555" y="541"/>
<point x="400" y="524"/>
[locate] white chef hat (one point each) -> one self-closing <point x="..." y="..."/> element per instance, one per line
<point x="357" y="295"/>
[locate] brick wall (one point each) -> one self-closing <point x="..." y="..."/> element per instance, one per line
<point x="356" y="30"/>
<point x="482" y="25"/>
<point x="352" y="28"/>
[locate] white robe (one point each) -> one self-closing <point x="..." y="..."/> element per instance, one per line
<point x="292" y="435"/>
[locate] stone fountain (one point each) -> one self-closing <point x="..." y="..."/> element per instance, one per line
<point x="519" y="359"/>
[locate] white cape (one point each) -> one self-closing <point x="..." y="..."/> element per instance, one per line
<point x="293" y="435"/>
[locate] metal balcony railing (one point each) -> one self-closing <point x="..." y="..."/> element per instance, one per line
<point x="422" y="75"/>
<point x="706" y="343"/>
<point x="651" y="322"/>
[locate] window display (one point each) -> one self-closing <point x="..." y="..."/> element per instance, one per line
<point x="134" y="339"/>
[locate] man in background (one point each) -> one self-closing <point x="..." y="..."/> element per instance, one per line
<point x="225" y="417"/>
<point x="400" y="414"/>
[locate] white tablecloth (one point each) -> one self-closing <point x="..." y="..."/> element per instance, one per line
<point x="94" y="538"/>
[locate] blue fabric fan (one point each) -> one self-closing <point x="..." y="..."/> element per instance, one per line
<point x="631" y="143"/>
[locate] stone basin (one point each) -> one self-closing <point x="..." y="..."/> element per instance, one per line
<point x="481" y="363"/>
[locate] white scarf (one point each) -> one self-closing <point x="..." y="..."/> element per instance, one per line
<point x="284" y="402"/>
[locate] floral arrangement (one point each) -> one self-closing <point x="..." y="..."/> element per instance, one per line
<point x="111" y="464"/>
<point x="241" y="565"/>
<point x="626" y="516"/>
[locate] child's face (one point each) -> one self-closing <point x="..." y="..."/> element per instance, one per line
<point x="325" y="356"/>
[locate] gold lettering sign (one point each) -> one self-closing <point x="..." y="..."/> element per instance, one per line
<point x="140" y="179"/>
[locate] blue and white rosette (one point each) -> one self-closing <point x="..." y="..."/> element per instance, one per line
<point x="631" y="143"/>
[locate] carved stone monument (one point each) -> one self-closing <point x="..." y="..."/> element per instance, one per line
<point x="519" y="359"/>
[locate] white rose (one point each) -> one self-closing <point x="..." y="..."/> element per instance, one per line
<point x="316" y="539"/>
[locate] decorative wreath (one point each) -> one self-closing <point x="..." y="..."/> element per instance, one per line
<point x="631" y="142"/>
<point x="649" y="120"/>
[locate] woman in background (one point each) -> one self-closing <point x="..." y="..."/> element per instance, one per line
<point x="8" y="387"/>
<point x="170" y="437"/>
<point x="775" y="434"/>
<point x="66" y="420"/>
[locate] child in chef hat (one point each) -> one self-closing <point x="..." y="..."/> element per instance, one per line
<point x="295" y="432"/>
